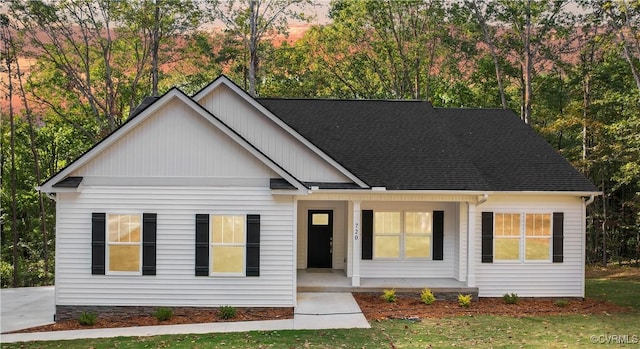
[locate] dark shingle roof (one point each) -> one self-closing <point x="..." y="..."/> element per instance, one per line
<point x="510" y="155"/>
<point x="410" y="145"/>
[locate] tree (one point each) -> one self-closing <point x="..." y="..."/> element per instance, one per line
<point x="150" y="23"/>
<point x="481" y="13"/>
<point x="254" y="20"/>
<point x="534" y="36"/>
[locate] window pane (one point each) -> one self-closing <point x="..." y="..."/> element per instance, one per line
<point x="124" y="257"/>
<point x="227" y="229"/>
<point x="537" y="248"/>
<point x="132" y="234"/>
<point x="216" y="229"/>
<point x="538" y="225"/>
<point x="227" y="259"/>
<point x="507" y="224"/>
<point x="386" y="222"/>
<point x="507" y="249"/>
<point x="238" y="230"/>
<point x="320" y="219"/>
<point x="417" y="222"/>
<point x="113" y="227"/>
<point x="417" y="246"/>
<point x="387" y="246"/>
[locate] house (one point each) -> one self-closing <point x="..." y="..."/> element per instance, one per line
<point x="224" y="199"/>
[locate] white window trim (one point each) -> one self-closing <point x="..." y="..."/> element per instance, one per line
<point x="107" y="244"/>
<point x="522" y="239"/>
<point x="402" y="236"/>
<point x="212" y="244"/>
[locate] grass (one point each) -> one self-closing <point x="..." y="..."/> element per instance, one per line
<point x="477" y="331"/>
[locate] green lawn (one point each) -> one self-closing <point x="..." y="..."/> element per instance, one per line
<point x="479" y="331"/>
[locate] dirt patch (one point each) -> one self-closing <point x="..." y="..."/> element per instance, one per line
<point x="410" y="307"/>
<point x="613" y="273"/>
<point x="182" y="317"/>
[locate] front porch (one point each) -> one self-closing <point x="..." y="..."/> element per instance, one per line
<point x="335" y="280"/>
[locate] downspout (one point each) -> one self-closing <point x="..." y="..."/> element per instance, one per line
<point x="51" y="196"/>
<point x="589" y="200"/>
<point x="586" y="203"/>
<point x="483" y="199"/>
<point x="471" y="245"/>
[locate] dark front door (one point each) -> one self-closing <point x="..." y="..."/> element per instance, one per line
<point x="320" y="239"/>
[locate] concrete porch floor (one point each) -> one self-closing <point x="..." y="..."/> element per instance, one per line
<point x="335" y="280"/>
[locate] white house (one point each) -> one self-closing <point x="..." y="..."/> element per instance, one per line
<point x="221" y="199"/>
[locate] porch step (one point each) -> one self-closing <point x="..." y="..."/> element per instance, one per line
<point x="448" y="293"/>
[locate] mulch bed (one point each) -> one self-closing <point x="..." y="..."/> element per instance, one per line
<point x="182" y="317"/>
<point x="410" y="307"/>
<point x="407" y="306"/>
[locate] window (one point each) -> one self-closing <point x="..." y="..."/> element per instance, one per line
<point x="228" y="239"/>
<point x="124" y="249"/>
<point x="522" y="237"/>
<point x="399" y="235"/>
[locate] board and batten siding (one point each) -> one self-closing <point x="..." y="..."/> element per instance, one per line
<point x="175" y="142"/>
<point x="389" y="268"/>
<point x="175" y="283"/>
<point x="534" y="279"/>
<point x="269" y="137"/>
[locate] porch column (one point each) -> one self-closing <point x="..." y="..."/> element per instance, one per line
<point x="471" y="244"/>
<point x="356" y="252"/>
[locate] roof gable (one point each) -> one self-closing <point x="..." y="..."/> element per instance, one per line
<point x="120" y="134"/>
<point x="270" y="134"/>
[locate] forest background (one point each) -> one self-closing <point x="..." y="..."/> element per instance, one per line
<point x="71" y="71"/>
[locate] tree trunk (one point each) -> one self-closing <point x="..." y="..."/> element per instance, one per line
<point x="37" y="170"/>
<point x="12" y="149"/>
<point x="604" y="226"/>
<point x="527" y="69"/>
<point x="155" y="47"/>
<point x="492" y="49"/>
<point x="586" y="103"/>
<point x="630" y="60"/>
<point x="253" y="49"/>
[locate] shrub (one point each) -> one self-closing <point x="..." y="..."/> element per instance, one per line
<point x="227" y="312"/>
<point x="389" y="295"/>
<point x="163" y="314"/>
<point x="87" y="319"/>
<point x="6" y="273"/>
<point x="464" y="300"/>
<point x="561" y="303"/>
<point x="427" y="296"/>
<point x="511" y="298"/>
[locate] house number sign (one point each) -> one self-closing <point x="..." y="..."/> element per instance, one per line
<point x="356" y="231"/>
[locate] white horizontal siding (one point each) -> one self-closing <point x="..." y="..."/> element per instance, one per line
<point x="175" y="283"/>
<point x="175" y="142"/>
<point x="270" y="138"/>
<point x="416" y="268"/>
<point x="544" y="279"/>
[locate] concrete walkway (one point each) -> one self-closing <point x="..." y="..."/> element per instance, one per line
<point x="26" y="307"/>
<point x="314" y="311"/>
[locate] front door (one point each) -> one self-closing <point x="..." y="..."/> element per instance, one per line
<point x="320" y="239"/>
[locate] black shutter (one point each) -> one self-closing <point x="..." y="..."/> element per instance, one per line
<point x="202" y="245"/>
<point x="487" y="237"/>
<point x="558" y="237"/>
<point x="367" y="234"/>
<point x="98" y="227"/>
<point x="438" y="235"/>
<point x="253" y="245"/>
<point x="149" y="224"/>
